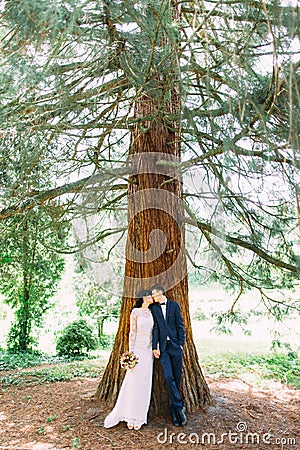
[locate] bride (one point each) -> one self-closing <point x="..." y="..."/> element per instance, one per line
<point x="134" y="397"/>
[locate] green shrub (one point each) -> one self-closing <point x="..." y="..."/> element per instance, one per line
<point x="77" y="339"/>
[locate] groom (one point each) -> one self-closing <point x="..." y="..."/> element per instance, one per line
<point x="168" y="337"/>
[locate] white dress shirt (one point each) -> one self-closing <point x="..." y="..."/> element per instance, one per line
<point x="164" y="311"/>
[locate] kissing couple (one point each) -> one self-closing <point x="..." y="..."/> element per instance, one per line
<point x="156" y="331"/>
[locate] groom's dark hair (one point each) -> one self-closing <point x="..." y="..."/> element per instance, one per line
<point x="159" y="287"/>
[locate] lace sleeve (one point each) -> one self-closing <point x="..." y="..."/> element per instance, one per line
<point x="133" y="329"/>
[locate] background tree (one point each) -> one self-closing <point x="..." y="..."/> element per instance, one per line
<point x="30" y="264"/>
<point x="29" y="278"/>
<point x="212" y="87"/>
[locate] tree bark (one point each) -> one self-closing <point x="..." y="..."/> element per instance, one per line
<point x="100" y="325"/>
<point x="24" y="322"/>
<point x="155" y="250"/>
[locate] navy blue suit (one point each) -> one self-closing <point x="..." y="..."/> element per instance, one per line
<point x="170" y="350"/>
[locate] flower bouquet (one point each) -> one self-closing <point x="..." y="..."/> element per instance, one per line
<point x="128" y="360"/>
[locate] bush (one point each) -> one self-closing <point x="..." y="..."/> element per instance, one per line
<point x="77" y="339"/>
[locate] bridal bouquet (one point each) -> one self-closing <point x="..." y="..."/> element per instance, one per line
<point x="128" y="360"/>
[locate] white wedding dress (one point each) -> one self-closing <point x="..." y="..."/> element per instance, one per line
<point x="134" y="397"/>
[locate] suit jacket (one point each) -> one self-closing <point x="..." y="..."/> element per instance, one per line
<point x="172" y="327"/>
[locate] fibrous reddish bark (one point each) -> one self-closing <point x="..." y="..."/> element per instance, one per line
<point x="155" y="251"/>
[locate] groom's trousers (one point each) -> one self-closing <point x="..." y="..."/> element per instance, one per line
<point x="171" y="361"/>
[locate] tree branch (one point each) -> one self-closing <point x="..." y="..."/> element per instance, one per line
<point x="205" y="227"/>
<point x="75" y="187"/>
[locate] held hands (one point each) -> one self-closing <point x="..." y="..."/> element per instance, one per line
<point x="156" y="353"/>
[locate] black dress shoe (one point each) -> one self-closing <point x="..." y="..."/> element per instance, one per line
<point x="181" y="416"/>
<point x="174" y="419"/>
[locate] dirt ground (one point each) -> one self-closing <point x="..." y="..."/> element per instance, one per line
<point x="63" y="415"/>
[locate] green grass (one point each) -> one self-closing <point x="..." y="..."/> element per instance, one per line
<point x="51" y="418"/>
<point x="60" y="372"/>
<point x="216" y="346"/>
<point x="23" y="360"/>
<point x="75" y="443"/>
<point x="255" y="367"/>
<point x="11" y="361"/>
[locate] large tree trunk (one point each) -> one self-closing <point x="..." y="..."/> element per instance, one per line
<point x="155" y="203"/>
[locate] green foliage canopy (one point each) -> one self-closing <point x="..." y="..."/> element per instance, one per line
<point x="72" y="71"/>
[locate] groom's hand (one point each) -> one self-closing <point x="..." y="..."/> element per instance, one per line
<point x="156" y="353"/>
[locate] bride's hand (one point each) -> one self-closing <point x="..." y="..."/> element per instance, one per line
<point x="156" y="353"/>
